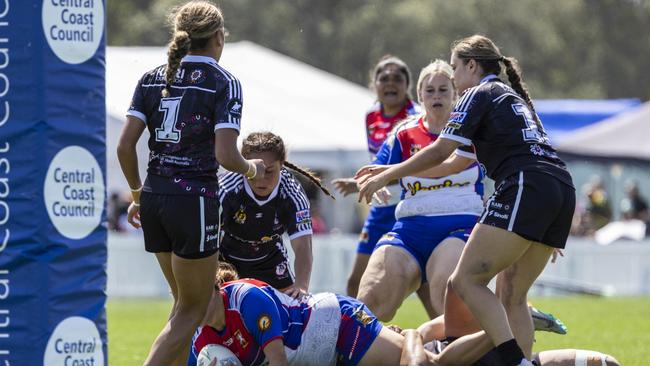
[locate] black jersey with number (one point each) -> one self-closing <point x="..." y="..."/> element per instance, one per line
<point x="506" y="137"/>
<point x="253" y="227"/>
<point x="203" y="98"/>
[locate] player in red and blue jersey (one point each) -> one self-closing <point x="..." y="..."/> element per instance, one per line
<point x="192" y="107"/>
<point x="437" y="210"/>
<point x="261" y="324"/>
<point x="391" y="80"/>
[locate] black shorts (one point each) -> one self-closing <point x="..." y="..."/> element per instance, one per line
<point x="534" y="205"/>
<point x="186" y="225"/>
<point x="273" y="268"/>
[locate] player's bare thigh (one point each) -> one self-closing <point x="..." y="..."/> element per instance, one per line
<point x="386" y="350"/>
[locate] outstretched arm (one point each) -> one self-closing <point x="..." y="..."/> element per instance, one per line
<point x="426" y="158"/>
<point x="413" y="353"/>
<point x="465" y="350"/>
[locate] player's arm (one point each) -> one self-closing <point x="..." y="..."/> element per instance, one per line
<point x="413" y="352"/>
<point x="433" y="329"/>
<point x="262" y="320"/>
<point x="274" y="352"/>
<point x="127" y="153"/>
<point x="225" y="142"/>
<point x="466" y="350"/>
<point x="454" y="164"/>
<point x="302" y="265"/>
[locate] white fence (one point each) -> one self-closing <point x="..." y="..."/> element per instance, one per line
<point x="622" y="268"/>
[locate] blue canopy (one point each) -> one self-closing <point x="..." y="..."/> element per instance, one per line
<point x="562" y="116"/>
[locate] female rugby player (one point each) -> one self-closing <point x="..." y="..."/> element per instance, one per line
<point x="260" y="324"/>
<point x="391" y="80"/>
<point x="530" y="212"/>
<point x="192" y="109"/>
<point x="437" y="211"/>
<point x="257" y="213"/>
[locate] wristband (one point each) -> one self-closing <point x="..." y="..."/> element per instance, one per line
<point x="135" y="204"/>
<point x="252" y="170"/>
<point x="136" y="190"/>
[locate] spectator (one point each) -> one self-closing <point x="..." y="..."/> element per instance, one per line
<point x="598" y="211"/>
<point x="634" y="206"/>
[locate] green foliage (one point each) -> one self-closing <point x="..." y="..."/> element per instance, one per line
<point x="570" y="48"/>
<point x="617" y="326"/>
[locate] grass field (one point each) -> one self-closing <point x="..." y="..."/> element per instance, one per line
<point x="618" y="326"/>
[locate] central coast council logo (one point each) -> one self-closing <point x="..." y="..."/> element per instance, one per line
<point x="73" y="29"/>
<point x="74" y="192"/>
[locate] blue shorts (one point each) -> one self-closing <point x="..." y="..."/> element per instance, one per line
<point x="358" y="330"/>
<point x="420" y="235"/>
<point x="380" y="220"/>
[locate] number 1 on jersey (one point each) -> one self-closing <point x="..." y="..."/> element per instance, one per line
<point x="168" y="131"/>
<point x="531" y="133"/>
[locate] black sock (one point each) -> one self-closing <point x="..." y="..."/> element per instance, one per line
<point x="510" y="353"/>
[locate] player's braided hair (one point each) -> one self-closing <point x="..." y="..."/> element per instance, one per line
<point x="258" y="142"/>
<point x="487" y="55"/>
<point x="193" y="24"/>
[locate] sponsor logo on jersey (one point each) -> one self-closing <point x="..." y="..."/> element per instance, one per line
<point x="415" y="148"/>
<point x="265" y="239"/>
<point x="417" y="186"/>
<point x="240" y="216"/>
<point x="362" y="317"/>
<point x="458" y="117"/>
<point x="453" y="125"/>
<point x="240" y="338"/>
<point x="303" y="216"/>
<point x="264" y="322"/>
<point x="197" y="76"/>
<point x="281" y="269"/>
<point x="234" y="108"/>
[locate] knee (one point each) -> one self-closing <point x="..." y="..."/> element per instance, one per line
<point x="382" y="310"/>
<point x="457" y="284"/>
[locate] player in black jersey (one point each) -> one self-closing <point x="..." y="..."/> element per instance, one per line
<point x="529" y="214"/>
<point x="192" y="109"/>
<point x="257" y="213"/>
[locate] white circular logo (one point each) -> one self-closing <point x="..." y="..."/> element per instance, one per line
<point x="73" y="28"/>
<point x="74" y="192"/>
<point x="74" y="342"/>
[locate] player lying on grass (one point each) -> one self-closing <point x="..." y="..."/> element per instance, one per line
<point x="260" y="324"/>
<point x="427" y="345"/>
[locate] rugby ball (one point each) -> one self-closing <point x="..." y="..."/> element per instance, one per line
<point x="212" y="352"/>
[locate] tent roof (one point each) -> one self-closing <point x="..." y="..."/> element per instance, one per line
<point x="310" y="108"/>
<point x="624" y="136"/>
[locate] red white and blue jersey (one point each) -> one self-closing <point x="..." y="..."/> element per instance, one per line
<point x="379" y="126"/>
<point x="256" y="314"/>
<point x="204" y="97"/>
<point x="456" y="194"/>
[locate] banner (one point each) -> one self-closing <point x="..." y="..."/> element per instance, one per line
<point x="52" y="183"/>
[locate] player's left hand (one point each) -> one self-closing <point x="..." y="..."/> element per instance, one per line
<point x="368" y="185"/>
<point x="296" y="292"/>
<point x="133" y="215"/>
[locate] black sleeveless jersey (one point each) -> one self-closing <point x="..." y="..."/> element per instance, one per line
<point x="506" y="138"/>
<point x="253" y="227"/>
<point x="203" y="98"/>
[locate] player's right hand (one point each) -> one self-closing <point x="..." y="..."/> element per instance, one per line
<point x="370" y="170"/>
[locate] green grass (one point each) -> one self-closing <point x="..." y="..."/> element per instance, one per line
<point x="617" y="326"/>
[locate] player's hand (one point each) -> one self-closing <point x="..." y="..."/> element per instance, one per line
<point x="382" y="196"/>
<point x="369" y="184"/>
<point x="371" y="170"/>
<point x="556" y="253"/>
<point x="345" y="186"/>
<point x="133" y="215"/>
<point x="296" y="292"/>
<point x="261" y="168"/>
